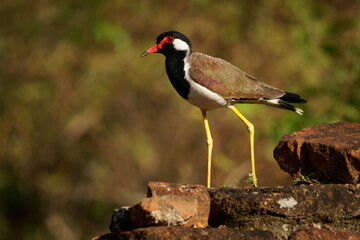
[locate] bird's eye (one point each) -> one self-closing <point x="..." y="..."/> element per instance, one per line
<point x="169" y="39"/>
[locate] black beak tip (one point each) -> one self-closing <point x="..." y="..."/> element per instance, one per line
<point x="144" y="54"/>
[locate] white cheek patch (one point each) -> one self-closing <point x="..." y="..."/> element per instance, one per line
<point x="180" y="45"/>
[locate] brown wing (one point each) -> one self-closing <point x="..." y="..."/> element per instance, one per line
<point x="227" y="80"/>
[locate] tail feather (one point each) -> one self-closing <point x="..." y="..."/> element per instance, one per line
<point x="285" y="100"/>
<point x="281" y="102"/>
<point x="292" y="98"/>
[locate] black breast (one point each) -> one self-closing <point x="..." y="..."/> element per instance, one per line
<point x="175" y="71"/>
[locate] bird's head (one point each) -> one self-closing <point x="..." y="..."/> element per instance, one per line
<point x="170" y="43"/>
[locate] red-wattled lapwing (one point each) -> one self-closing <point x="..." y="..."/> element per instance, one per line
<point x="209" y="83"/>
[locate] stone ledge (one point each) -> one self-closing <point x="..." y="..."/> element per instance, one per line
<point x="286" y="209"/>
<point x="188" y="233"/>
<point x="321" y="234"/>
<point x="249" y="213"/>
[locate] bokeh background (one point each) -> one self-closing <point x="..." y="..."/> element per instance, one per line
<point x="85" y="123"/>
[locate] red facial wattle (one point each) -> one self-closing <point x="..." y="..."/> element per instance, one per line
<point x="156" y="47"/>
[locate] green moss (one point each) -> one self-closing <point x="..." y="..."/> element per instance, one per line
<point x="236" y="220"/>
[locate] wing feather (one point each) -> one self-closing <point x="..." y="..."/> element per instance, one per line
<point x="227" y="80"/>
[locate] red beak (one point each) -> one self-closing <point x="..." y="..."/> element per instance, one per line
<point x="153" y="49"/>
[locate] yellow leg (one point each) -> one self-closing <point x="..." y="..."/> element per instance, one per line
<point x="209" y="144"/>
<point x="251" y="131"/>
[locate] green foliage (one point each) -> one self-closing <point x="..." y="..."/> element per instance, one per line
<point x="307" y="179"/>
<point x="85" y="123"/>
<point x="247" y="183"/>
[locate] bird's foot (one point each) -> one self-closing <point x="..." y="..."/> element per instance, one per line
<point x="252" y="179"/>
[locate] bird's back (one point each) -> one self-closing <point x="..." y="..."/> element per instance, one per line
<point x="227" y="80"/>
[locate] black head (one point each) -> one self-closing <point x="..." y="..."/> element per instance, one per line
<point x="170" y="43"/>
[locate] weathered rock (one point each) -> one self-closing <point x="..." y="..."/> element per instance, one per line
<point x="198" y="192"/>
<point x="311" y="233"/>
<point x="120" y="220"/>
<point x="285" y="209"/>
<point x="189" y="233"/>
<point x="167" y="204"/>
<point x="164" y="211"/>
<point x="281" y="210"/>
<point x="329" y="152"/>
<point x="172" y="205"/>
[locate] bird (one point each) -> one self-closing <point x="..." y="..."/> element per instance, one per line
<point x="210" y="83"/>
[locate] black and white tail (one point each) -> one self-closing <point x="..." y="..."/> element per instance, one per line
<point x="285" y="100"/>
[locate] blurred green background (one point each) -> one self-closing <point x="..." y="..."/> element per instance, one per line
<point x="85" y="123"/>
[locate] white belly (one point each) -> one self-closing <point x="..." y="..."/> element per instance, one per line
<point x="204" y="98"/>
